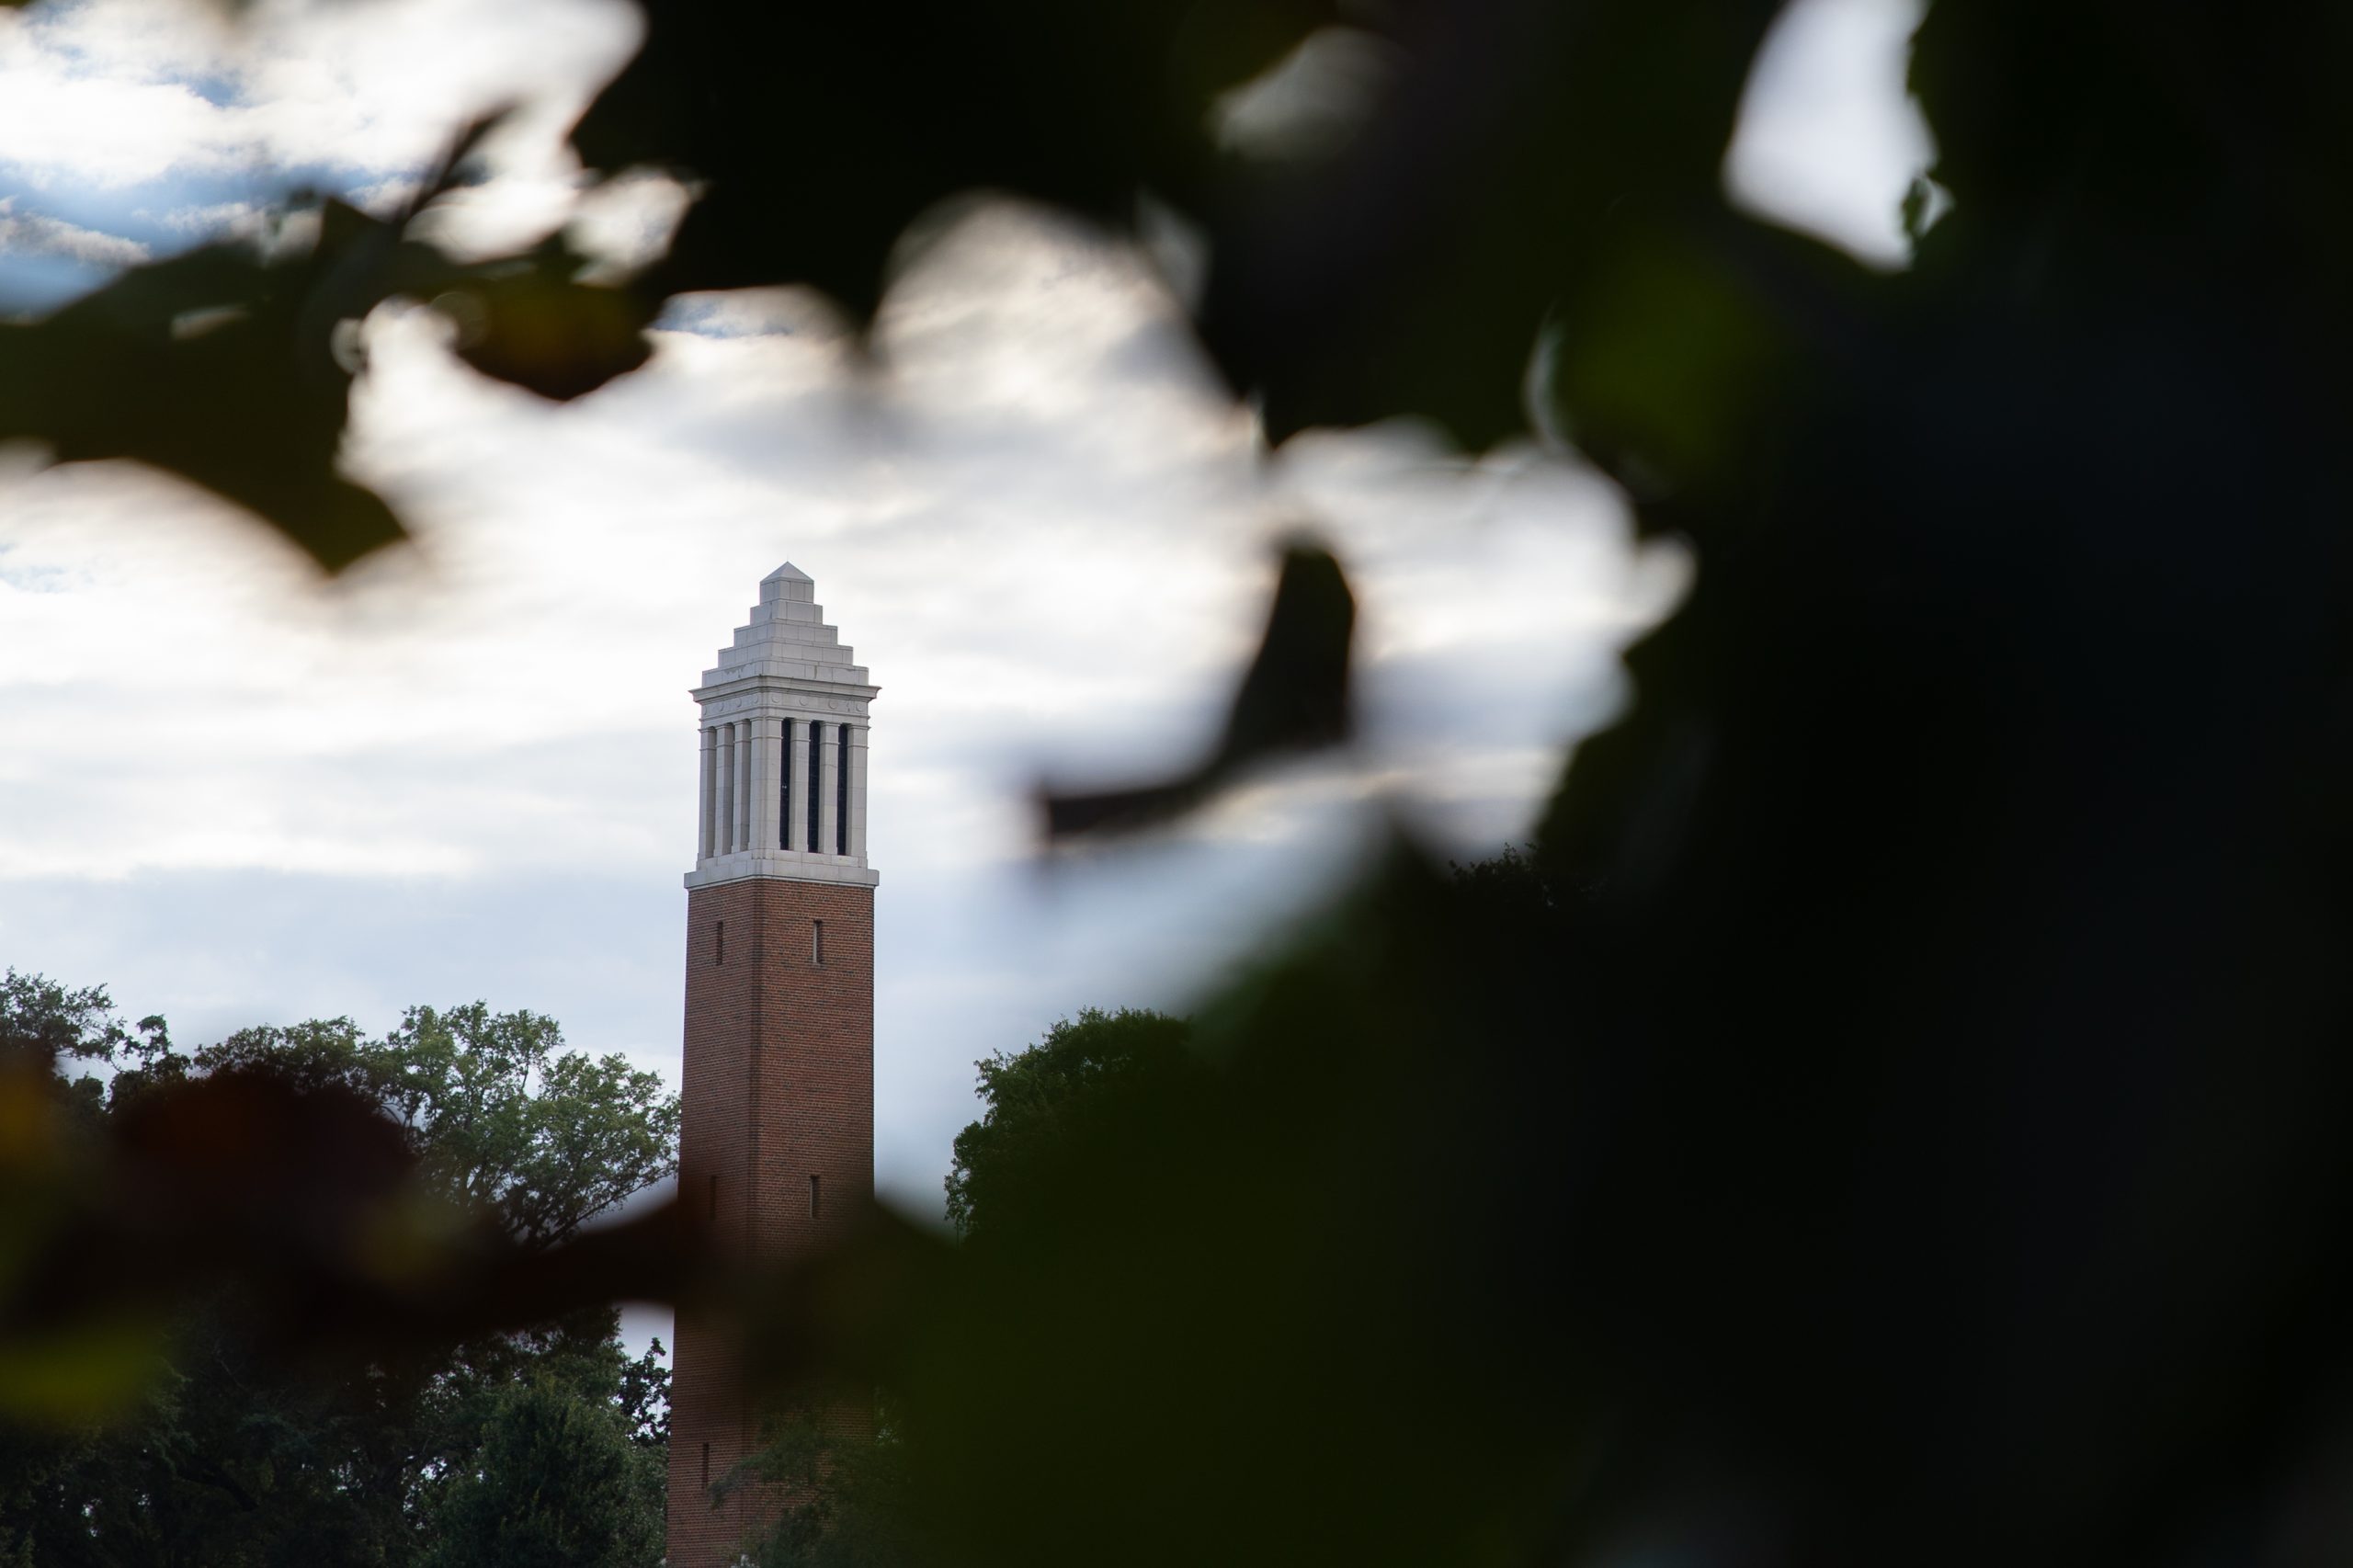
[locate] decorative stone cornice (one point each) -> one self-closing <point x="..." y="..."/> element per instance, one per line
<point x="792" y="865"/>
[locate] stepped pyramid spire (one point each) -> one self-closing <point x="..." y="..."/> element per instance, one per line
<point x="787" y="631"/>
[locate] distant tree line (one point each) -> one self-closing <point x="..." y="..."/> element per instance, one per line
<point x="540" y="1448"/>
<point x="1122" y="1137"/>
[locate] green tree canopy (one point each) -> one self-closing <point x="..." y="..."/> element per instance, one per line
<point x="503" y="1118"/>
<point x="239" y="1457"/>
<point x="556" y="1483"/>
<point x="1065" y="1103"/>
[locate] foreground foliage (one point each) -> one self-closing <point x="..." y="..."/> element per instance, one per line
<point x="1097" y="1106"/>
<point x="1914" y="1129"/>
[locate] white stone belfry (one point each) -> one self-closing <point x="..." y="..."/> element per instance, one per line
<point x="784" y="722"/>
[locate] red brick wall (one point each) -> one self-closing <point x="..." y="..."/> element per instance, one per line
<point x="779" y="1085"/>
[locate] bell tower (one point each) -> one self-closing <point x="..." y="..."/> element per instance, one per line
<point x="777" y="1144"/>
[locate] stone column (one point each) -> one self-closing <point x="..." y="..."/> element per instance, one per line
<point x="751" y="783"/>
<point x="703" y="793"/>
<point x="787" y="791"/>
<point x="763" y="734"/>
<point x="856" y="762"/>
<point x="722" y="840"/>
<point x="803" y="781"/>
<point x="828" y="786"/>
<point x="743" y="784"/>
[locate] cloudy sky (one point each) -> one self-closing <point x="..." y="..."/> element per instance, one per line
<point x="234" y="794"/>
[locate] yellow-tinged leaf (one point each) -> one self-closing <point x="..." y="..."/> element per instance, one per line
<point x="90" y="1371"/>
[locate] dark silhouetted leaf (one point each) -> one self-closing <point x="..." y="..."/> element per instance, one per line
<point x="821" y="133"/>
<point x="208" y="365"/>
<point x="232" y="369"/>
<point x="540" y="329"/>
<point x="1294" y="698"/>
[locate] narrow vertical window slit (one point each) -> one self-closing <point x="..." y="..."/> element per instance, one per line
<point x="816" y="772"/>
<point x="841" y="794"/>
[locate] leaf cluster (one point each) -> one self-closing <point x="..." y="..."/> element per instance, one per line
<point x="851" y="1498"/>
<point x="558" y="1482"/>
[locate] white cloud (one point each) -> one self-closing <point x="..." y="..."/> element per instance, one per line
<point x="627" y="221"/>
<point x="116" y="95"/>
<point x="1311" y="102"/>
<point x="1038" y="520"/>
<point x="1829" y="138"/>
<point x="39" y="234"/>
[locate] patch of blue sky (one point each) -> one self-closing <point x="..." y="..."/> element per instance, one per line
<point x="167" y="216"/>
<point x="32" y="576"/>
<point x="719" y="315"/>
<point x="34" y="285"/>
<point x="181" y="210"/>
<point x="220" y="89"/>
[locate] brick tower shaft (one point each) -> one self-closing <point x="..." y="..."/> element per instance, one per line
<point x="777" y="1146"/>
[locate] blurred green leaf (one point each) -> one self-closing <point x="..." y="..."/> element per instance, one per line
<point x="542" y="330"/>
<point x="823" y="132"/>
<point x="1415" y="273"/>
<point x="80" y="1373"/>
<point x="1677" y="366"/>
<point x="232" y="368"/>
<point x="1288" y="1295"/>
<point x="211" y="365"/>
